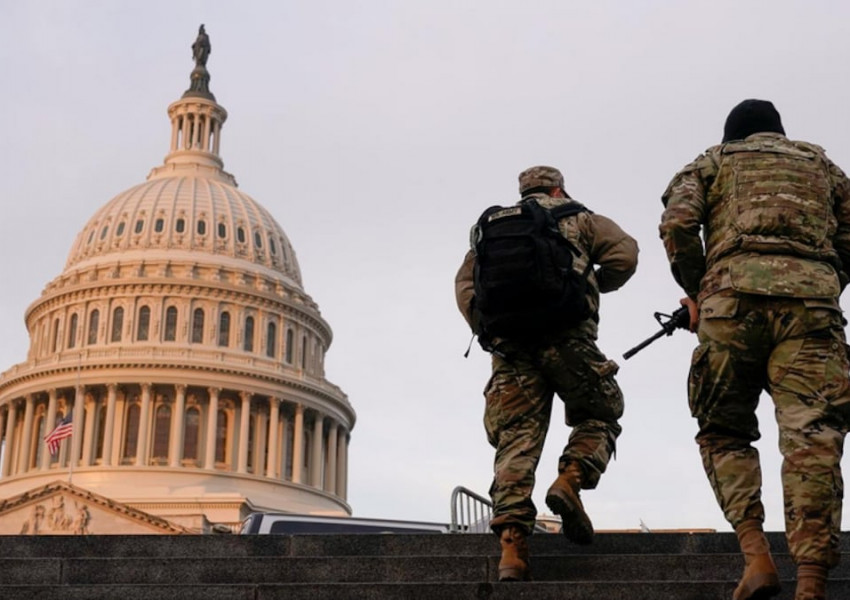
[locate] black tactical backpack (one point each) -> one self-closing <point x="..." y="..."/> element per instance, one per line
<point x="525" y="286"/>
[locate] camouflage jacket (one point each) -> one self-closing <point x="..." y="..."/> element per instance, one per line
<point x="599" y="239"/>
<point x="774" y="216"/>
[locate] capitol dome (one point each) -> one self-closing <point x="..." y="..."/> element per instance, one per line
<point x="180" y="343"/>
<point x="187" y="214"/>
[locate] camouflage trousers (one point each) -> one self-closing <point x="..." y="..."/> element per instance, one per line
<point x="795" y="350"/>
<point x="518" y="408"/>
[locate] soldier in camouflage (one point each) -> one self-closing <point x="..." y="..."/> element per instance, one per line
<point x="526" y="376"/>
<point x="763" y="293"/>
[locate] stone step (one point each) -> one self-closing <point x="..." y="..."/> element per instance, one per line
<point x="618" y="566"/>
<point x="387" y="569"/>
<point x="373" y="545"/>
<point x="649" y="590"/>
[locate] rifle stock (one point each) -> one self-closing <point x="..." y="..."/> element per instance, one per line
<point x="680" y="319"/>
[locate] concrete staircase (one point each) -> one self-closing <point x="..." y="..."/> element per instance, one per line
<point x="618" y="566"/>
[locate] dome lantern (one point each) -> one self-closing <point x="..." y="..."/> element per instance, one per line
<point x="196" y="122"/>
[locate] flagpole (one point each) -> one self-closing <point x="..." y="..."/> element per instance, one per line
<point x="74" y="417"/>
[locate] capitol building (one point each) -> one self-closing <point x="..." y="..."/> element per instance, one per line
<point x="182" y="345"/>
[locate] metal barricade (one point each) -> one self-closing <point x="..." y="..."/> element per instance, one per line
<point x="471" y="513"/>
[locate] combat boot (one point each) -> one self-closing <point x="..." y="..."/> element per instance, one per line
<point x="563" y="499"/>
<point x="514" y="565"/>
<point x="760" y="579"/>
<point x="811" y="582"/>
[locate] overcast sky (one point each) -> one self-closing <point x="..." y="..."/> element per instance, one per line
<point x="375" y="132"/>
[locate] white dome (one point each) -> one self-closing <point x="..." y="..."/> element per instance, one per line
<point x="191" y="216"/>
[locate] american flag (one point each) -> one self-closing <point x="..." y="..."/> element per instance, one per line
<point x="62" y="430"/>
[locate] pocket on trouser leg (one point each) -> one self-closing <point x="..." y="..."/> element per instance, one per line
<point x="698" y="376"/>
<point x="597" y="395"/>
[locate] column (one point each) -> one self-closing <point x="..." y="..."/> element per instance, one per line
<point x="244" y="421"/>
<point x="178" y="420"/>
<point x="298" y="444"/>
<point x="109" y="423"/>
<point x="217" y="133"/>
<point x="330" y="476"/>
<point x="273" y="453"/>
<point x="174" y="128"/>
<point x="187" y="128"/>
<point x="205" y="134"/>
<point x="342" y="464"/>
<point x="316" y="455"/>
<point x="212" y="420"/>
<point x="79" y="419"/>
<point x="144" y="426"/>
<point x="11" y="422"/>
<point x="26" y="435"/>
<point x="88" y="432"/>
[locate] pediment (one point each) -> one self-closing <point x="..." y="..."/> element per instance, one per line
<point x="60" y="508"/>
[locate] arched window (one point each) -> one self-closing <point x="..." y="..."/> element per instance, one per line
<point x="222" y="230"/>
<point x="159" y="225"/>
<point x="198" y="326"/>
<point x="221" y="437"/>
<point x="117" y="323"/>
<point x="240" y="235"/>
<point x="224" y="329"/>
<point x="143" y="330"/>
<point x="120" y="230"/>
<point x="55" y="344"/>
<point x="287" y="449"/>
<point x="94" y="318"/>
<point x="191" y="433"/>
<point x="248" y="342"/>
<point x="140" y="224"/>
<point x="180" y="225"/>
<point x="252" y="436"/>
<point x="72" y="331"/>
<point x="35" y="455"/>
<point x="170" y="324"/>
<point x="100" y="424"/>
<point x="103" y="231"/>
<point x="271" y="340"/>
<point x="306" y="451"/>
<point x="161" y="431"/>
<point x="131" y="430"/>
<point x="258" y="239"/>
<point x="202" y="227"/>
<point x="289" y="349"/>
<point x="304" y="352"/>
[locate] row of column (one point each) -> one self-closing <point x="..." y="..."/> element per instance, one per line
<point x="193" y="131"/>
<point x="330" y="460"/>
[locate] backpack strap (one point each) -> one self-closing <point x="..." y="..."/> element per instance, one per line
<point x="568" y="210"/>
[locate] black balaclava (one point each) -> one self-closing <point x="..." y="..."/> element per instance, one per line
<point x="749" y="117"/>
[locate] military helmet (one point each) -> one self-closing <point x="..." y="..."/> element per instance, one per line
<point x="540" y="177"/>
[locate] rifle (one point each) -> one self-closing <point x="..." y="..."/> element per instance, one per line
<point x="680" y="319"/>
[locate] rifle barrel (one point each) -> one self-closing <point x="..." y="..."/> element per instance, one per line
<point x="627" y="355"/>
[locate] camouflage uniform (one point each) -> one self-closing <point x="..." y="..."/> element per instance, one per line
<point x="525" y="377"/>
<point x="775" y="216"/>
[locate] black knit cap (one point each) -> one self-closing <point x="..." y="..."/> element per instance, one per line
<point x="749" y="117"/>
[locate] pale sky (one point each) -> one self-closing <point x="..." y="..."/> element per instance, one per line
<point x="375" y="132"/>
